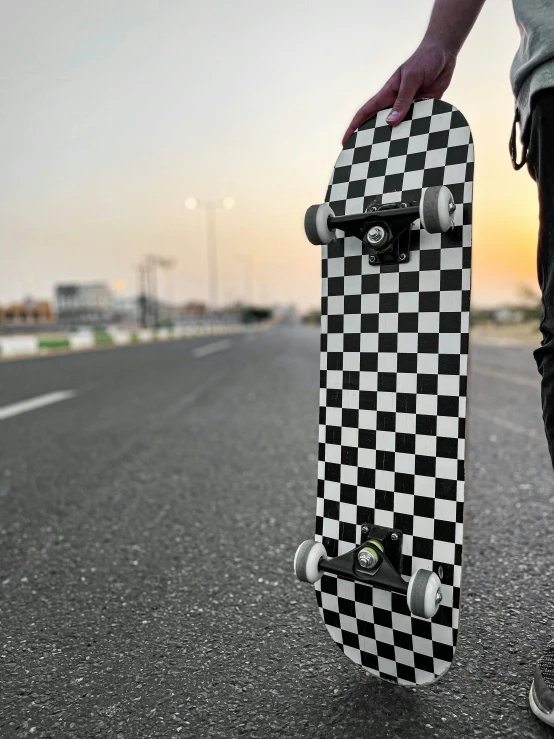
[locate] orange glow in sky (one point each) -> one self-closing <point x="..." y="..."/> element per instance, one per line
<point x="115" y="113"/>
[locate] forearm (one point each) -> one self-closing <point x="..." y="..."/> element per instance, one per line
<point x="450" y="23"/>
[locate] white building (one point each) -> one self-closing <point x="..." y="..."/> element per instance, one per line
<point x="85" y="304"/>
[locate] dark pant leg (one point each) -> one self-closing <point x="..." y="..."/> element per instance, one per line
<point x="540" y="161"/>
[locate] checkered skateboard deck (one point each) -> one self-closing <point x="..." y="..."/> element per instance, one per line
<point x="394" y="350"/>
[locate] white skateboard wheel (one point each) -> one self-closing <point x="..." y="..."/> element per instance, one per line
<point x="424" y="596"/>
<point x="306" y="561"/>
<point x="436" y="209"/>
<point x="316" y="224"/>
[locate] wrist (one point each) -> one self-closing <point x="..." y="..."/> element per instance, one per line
<point x="446" y="49"/>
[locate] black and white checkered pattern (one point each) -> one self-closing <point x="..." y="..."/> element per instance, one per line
<point x="394" y="344"/>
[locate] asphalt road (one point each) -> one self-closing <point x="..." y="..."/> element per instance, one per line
<point x="148" y="524"/>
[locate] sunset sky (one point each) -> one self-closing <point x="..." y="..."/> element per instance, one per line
<point x="114" y="113"/>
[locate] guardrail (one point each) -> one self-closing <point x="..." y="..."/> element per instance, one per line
<point x="25" y="345"/>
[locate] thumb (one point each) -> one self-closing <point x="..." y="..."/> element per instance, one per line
<point x="409" y="85"/>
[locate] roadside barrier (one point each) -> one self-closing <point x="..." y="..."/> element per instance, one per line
<point x="29" y="345"/>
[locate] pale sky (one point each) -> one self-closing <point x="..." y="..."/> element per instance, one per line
<point x="113" y="113"/>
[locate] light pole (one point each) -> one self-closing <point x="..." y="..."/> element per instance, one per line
<point x="142" y="300"/>
<point x="250" y="275"/>
<point x="210" y="208"/>
<point x="153" y="261"/>
<point x="167" y="263"/>
<point x="151" y="288"/>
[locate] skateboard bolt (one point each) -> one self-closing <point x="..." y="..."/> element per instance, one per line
<point x="368" y="557"/>
<point x="376" y="234"/>
<point x="394" y="537"/>
<point x="372" y="260"/>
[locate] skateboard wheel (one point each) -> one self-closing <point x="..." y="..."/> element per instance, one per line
<point x="424" y="595"/>
<point x="306" y="561"/>
<point x="315" y="224"/>
<point x="436" y="209"/>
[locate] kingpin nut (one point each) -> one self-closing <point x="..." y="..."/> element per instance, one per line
<point x="368" y="557"/>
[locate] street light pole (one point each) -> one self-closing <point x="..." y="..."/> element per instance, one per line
<point x="149" y="275"/>
<point x="151" y="289"/>
<point x="142" y="296"/>
<point x="167" y="263"/>
<point x="251" y="276"/>
<point x="210" y="209"/>
<point x="211" y="241"/>
<point x="154" y="288"/>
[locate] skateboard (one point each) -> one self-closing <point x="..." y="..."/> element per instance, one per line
<point x="395" y="237"/>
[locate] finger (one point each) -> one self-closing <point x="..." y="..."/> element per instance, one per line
<point x="383" y="99"/>
<point x="409" y="85"/>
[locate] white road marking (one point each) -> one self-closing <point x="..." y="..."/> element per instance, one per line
<point x="33" y="403"/>
<point x="216" y="346"/>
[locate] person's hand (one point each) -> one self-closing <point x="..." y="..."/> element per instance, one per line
<point x="426" y="74"/>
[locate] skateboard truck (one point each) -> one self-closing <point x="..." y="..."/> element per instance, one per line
<point x="377" y="561"/>
<point x="385" y="229"/>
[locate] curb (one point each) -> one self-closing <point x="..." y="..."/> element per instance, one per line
<point x="28" y="346"/>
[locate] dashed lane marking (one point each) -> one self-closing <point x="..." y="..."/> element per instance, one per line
<point x="216" y="346"/>
<point x="31" y="404"/>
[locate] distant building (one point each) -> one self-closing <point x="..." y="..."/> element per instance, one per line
<point x="194" y="308"/>
<point x="126" y="310"/>
<point x="83" y="304"/>
<point x="27" y="312"/>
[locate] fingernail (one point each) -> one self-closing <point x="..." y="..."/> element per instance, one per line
<point x="393" y="115"/>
